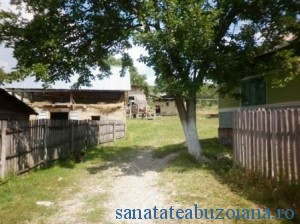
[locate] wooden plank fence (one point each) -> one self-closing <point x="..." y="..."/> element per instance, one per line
<point x="25" y="145"/>
<point x="267" y="140"/>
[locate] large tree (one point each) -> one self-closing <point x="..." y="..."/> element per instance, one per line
<point x="189" y="41"/>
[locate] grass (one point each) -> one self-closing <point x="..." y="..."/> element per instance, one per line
<point x="19" y="194"/>
<point x="97" y="212"/>
<point x="218" y="184"/>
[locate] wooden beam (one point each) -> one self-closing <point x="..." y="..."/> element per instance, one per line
<point x="3" y="149"/>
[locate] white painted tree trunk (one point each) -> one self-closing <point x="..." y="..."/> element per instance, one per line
<point x="187" y="114"/>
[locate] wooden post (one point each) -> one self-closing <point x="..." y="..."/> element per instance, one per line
<point x="72" y="138"/>
<point x="99" y="132"/>
<point x="45" y="142"/>
<point x="125" y="129"/>
<point x="87" y="135"/>
<point x="114" y="131"/>
<point x="3" y="149"/>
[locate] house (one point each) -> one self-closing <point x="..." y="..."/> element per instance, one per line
<point x="256" y="91"/>
<point x="13" y="108"/>
<point x="104" y="98"/>
<point x="165" y="106"/>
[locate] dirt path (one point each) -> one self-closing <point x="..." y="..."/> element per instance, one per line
<point x="131" y="185"/>
<point x="137" y="186"/>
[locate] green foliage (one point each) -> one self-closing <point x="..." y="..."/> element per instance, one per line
<point x="138" y="79"/>
<point x="2" y="75"/>
<point x="207" y="91"/>
<point x="67" y="37"/>
<point x="282" y="68"/>
<point x="188" y="41"/>
<point x="193" y="41"/>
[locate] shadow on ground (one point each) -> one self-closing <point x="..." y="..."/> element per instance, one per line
<point x="135" y="160"/>
<point x="130" y="160"/>
<point x="251" y="186"/>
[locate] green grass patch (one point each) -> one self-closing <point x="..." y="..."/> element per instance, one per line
<point x="96" y="211"/>
<point x="219" y="184"/>
<point x="19" y="194"/>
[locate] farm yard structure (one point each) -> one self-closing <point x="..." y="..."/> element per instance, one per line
<point x="63" y="102"/>
<point x="165" y="106"/>
<point x="75" y="104"/>
<point x="13" y="108"/>
<point x="64" y="122"/>
<point x="137" y="102"/>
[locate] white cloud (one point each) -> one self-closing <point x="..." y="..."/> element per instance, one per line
<point x="136" y="52"/>
<point x="5" y="5"/>
<point x="7" y="61"/>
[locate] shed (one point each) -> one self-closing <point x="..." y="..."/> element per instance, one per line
<point x="165" y="106"/>
<point x="103" y="98"/>
<point x="12" y="108"/>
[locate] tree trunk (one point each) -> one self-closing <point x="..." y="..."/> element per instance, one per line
<point x="187" y="115"/>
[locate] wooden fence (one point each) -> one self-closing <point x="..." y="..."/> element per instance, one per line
<point x="268" y="141"/>
<point x="25" y="145"/>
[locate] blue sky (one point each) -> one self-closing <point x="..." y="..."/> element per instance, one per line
<point x="7" y="61"/>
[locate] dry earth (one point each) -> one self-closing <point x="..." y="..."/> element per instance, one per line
<point x="133" y="184"/>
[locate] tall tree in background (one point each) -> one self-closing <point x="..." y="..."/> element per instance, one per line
<point x="138" y="79"/>
<point x="208" y="91"/>
<point x="135" y="78"/>
<point x="188" y="41"/>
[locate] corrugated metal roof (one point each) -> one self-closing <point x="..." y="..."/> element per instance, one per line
<point x="113" y="82"/>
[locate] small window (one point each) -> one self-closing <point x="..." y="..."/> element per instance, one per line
<point x="59" y="116"/>
<point x="95" y="118"/>
<point x="253" y="91"/>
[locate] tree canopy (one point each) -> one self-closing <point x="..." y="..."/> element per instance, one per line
<point x="188" y="41"/>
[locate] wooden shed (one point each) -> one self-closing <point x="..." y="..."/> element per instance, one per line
<point x="12" y="108"/>
<point x="165" y="106"/>
<point x="103" y="98"/>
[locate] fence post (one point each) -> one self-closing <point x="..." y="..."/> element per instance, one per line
<point x="87" y="135"/>
<point x="45" y="142"/>
<point x="3" y="149"/>
<point x="125" y="129"/>
<point x="114" y="131"/>
<point x="99" y="132"/>
<point x="72" y="138"/>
